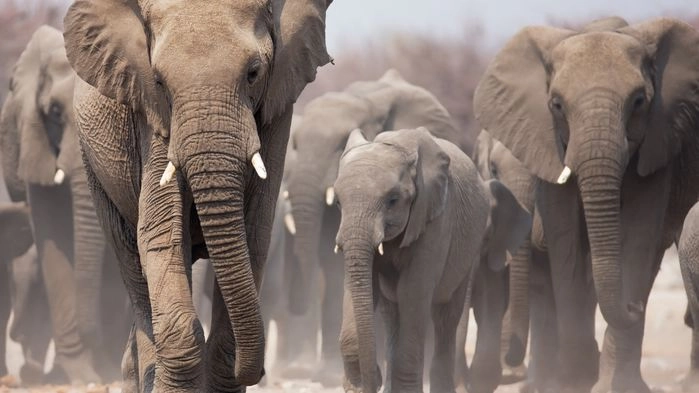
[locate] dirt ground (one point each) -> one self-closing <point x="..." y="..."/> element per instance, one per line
<point x="665" y="350"/>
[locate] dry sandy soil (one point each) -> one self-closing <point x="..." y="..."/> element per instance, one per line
<point x="665" y="351"/>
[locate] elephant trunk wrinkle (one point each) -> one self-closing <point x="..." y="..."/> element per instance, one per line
<point x="212" y="151"/>
<point x="359" y="256"/>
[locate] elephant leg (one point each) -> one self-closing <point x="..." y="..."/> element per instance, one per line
<point x="641" y="254"/>
<point x="578" y="355"/>
<point x="37" y="336"/>
<point x="121" y="234"/>
<point x="129" y="364"/>
<point x="445" y="318"/>
<point x="688" y="250"/>
<point x="489" y="304"/>
<point x="116" y="321"/>
<point x="389" y="314"/>
<point x="461" y="370"/>
<point x="331" y="321"/>
<point x="5" y="308"/>
<point x="165" y="251"/>
<point x="544" y="330"/>
<point x="51" y="213"/>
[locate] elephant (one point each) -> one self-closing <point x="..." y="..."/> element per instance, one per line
<point x="183" y="115"/>
<point x="606" y="119"/>
<point x="417" y="223"/>
<point x="42" y="165"/>
<point x="375" y="106"/>
<point x="23" y="293"/>
<point x="688" y="252"/>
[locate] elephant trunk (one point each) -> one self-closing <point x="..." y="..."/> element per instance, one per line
<point x="308" y="209"/>
<point x="518" y="307"/>
<point x="359" y="256"/>
<point x="89" y="260"/>
<point x="213" y="143"/>
<point x="600" y="162"/>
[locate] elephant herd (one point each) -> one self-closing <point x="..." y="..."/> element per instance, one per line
<point x="152" y="135"/>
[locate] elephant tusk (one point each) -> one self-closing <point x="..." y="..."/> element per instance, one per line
<point x="290" y="223"/>
<point x="565" y="174"/>
<point x="259" y="165"/>
<point x="285" y="194"/>
<point x="59" y="176"/>
<point x="330" y="195"/>
<point x="168" y="174"/>
<point x="380" y="248"/>
<point x="336" y="249"/>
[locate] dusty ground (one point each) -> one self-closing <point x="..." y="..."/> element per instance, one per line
<point x="665" y="350"/>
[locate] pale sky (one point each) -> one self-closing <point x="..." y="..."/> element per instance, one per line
<point x="357" y="20"/>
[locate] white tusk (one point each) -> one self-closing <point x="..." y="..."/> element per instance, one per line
<point x="565" y="174"/>
<point x="59" y="177"/>
<point x="259" y="165"/>
<point x="290" y="223"/>
<point x="380" y="248"/>
<point x="168" y="174"/>
<point x="285" y="194"/>
<point x="330" y="195"/>
<point x="336" y="249"/>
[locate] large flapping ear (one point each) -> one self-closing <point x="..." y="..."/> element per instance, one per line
<point x="674" y="110"/>
<point x="481" y="154"/>
<point x="299" y="50"/>
<point x="9" y="143"/>
<point x="106" y="45"/>
<point x="511" y="100"/>
<point x="509" y="225"/>
<point x="431" y="183"/>
<point x="37" y="158"/>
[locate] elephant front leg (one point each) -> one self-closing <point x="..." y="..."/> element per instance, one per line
<point x="489" y="304"/>
<point x="445" y="318"/>
<point x="165" y="251"/>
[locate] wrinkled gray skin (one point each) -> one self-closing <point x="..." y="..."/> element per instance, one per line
<point x="23" y="292"/>
<point x="619" y="108"/>
<point x="688" y="251"/>
<point x="204" y="87"/>
<point x="39" y="141"/>
<point x="374" y="106"/>
<point x="420" y="202"/>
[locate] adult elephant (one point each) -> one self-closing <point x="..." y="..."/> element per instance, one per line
<point x="615" y="111"/>
<point x="374" y="106"/>
<point x="42" y="165"/>
<point x="183" y="108"/>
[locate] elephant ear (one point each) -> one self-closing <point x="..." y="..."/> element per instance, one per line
<point x="9" y="143"/>
<point x="509" y="225"/>
<point x="431" y="183"/>
<point x="511" y="100"/>
<point x="481" y="154"/>
<point x="37" y="158"/>
<point x="107" y="47"/>
<point x="299" y="51"/>
<point x="674" y="110"/>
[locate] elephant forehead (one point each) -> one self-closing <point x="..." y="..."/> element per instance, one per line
<point x="372" y="163"/>
<point x="603" y="57"/>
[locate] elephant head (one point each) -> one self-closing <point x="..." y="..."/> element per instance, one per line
<point x="594" y="104"/>
<point x="216" y="82"/>
<point x="37" y="125"/>
<point x="388" y="103"/>
<point x="393" y="190"/>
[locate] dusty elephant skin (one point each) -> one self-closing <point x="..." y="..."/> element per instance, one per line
<point x="42" y="165"/>
<point x="607" y="118"/>
<point x="417" y="223"/>
<point x="184" y="120"/>
<point x="374" y="106"/>
<point x="688" y="252"/>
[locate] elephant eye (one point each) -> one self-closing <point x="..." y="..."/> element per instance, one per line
<point x="254" y="71"/>
<point x="55" y="110"/>
<point x="493" y="171"/>
<point x="556" y="105"/>
<point x="639" y="100"/>
<point x="392" y="201"/>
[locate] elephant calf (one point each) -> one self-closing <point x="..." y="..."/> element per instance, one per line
<point x="417" y="221"/>
<point x="688" y="250"/>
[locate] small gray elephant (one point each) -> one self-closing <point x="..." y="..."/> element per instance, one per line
<point x="417" y="222"/>
<point x="688" y="251"/>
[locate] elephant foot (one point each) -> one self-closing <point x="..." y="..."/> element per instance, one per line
<point x="512" y="375"/>
<point x="78" y="369"/>
<point x="690" y="383"/>
<point x="9" y="381"/>
<point x="32" y="374"/>
<point x="629" y="385"/>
